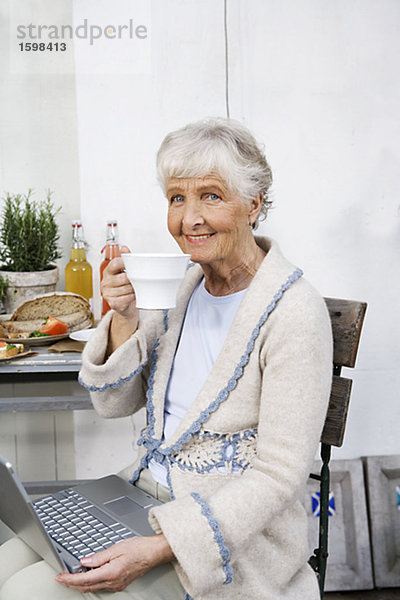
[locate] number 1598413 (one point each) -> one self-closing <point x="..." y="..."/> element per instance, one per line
<point x="42" y="46"/>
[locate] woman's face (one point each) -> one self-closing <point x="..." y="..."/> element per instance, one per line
<point x="208" y="220"/>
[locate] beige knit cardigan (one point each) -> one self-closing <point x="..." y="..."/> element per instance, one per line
<point x="240" y="458"/>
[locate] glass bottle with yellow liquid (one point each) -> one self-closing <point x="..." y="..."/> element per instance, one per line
<point x="78" y="272"/>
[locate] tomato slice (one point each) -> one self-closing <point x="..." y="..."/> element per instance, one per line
<point x="54" y="326"/>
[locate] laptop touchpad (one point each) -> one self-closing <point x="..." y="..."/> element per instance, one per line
<point x="123" y="506"/>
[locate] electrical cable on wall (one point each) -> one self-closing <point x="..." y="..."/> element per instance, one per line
<point x="226" y="59"/>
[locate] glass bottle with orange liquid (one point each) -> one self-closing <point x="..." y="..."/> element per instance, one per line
<point x="78" y="272"/>
<point x="112" y="250"/>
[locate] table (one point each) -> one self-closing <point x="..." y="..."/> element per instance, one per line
<point x="38" y="395"/>
<point x="47" y="428"/>
<point x="48" y="372"/>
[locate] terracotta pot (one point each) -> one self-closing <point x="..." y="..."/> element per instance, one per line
<point x="27" y="285"/>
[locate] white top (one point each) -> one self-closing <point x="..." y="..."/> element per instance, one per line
<point x="207" y="322"/>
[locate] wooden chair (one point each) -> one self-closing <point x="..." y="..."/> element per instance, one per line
<point x="347" y="319"/>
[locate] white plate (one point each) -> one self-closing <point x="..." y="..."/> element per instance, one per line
<point x="82" y="335"/>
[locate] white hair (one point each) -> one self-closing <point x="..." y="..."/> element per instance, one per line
<point x="223" y="147"/>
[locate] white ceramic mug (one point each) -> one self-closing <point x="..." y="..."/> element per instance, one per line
<point x="155" y="278"/>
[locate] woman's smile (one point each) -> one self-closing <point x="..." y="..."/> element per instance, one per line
<point x="198" y="238"/>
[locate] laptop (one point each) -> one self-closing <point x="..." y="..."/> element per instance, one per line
<point x="75" y="522"/>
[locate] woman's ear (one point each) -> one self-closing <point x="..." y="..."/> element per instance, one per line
<point x="254" y="208"/>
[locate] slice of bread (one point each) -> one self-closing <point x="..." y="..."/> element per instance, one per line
<point x="75" y="321"/>
<point x="56" y="305"/>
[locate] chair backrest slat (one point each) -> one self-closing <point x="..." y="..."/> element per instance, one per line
<point x="335" y="421"/>
<point x="347" y="318"/>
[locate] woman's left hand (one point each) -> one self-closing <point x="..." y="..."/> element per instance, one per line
<point x="115" y="568"/>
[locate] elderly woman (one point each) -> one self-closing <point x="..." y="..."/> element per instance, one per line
<point x="235" y="381"/>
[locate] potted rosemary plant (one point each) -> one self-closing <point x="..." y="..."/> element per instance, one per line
<point x="28" y="248"/>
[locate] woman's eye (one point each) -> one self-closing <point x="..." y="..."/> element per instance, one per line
<point x="213" y="196"/>
<point x="176" y="199"/>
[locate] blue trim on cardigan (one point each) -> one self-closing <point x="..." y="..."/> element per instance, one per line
<point x="116" y="384"/>
<point x="218" y="537"/>
<point x="150" y="444"/>
<point x="149" y="393"/>
<point x="165" y="319"/>
<point x="171" y="491"/>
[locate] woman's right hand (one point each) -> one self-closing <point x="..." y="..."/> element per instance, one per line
<point x="117" y="289"/>
<point x="120" y="295"/>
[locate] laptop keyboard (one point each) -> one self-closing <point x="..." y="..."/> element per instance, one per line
<point x="77" y="525"/>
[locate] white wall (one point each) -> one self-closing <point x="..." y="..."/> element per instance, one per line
<point x="38" y="119"/>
